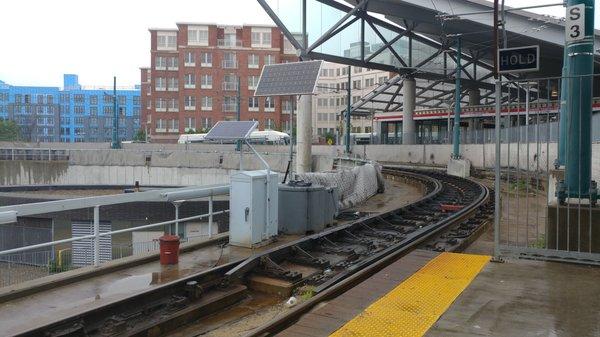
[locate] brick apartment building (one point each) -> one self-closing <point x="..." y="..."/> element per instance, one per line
<point x="192" y="81"/>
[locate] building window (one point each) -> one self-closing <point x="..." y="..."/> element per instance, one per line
<point x="78" y="98"/>
<point x="230" y="82"/>
<point x="108" y="110"/>
<point x="173" y="84"/>
<point x="206" y="103"/>
<point x="161" y="125"/>
<point x="122" y="99"/>
<point x="160" y="85"/>
<point x="198" y="35"/>
<point x="253" y="61"/>
<point x="206" y="81"/>
<point x="206" y="59"/>
<point x="160" y="63"/>
<point x="369" y="82"/>
<point x="190" y="102"/>
<point x="269" y="59"/>
<point x="161" y="104"/>
<point x="253" y="104"/>
<point x="166" y="40"/>
<point x="190" y="124"/>
<point x="382" y="80"/>
<point x="173" y="126"/>
<point x="269" y="103"/>
<point x="136" y="100"/>
<point x="93" y="111"/>
<point x="78" y="109"/>
<point x="229" y="104"/>
<point x="190" y="81"/>
<point x="261" y="37"/>
<point x="206" y="123"/>
<point x="252" y="82"/>
<point x="190" y="59"/>
<point x="93" y="99"/>
<point x="356" y="84"/>
<point x="270" y="124"/>
<point x="173" y="63"/>
<point x="173" y="105"/>
<point x="357" y="70"/>
<point x="355" y="99"/>
<point x="229" y="61"/>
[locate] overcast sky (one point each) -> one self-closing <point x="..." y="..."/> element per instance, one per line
<point x="43" y="39"/>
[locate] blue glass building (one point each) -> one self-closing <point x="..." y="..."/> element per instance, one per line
<point x="71" y="114"/>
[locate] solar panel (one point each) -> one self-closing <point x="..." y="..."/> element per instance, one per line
<point x="283" y="79"/>
<point x="231" y="130"/>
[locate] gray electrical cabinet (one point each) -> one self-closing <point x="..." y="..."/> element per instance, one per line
<point x="249" y="225"/>
<point x="306" y="209"/>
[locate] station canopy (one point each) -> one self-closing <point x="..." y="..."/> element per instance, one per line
<point x="417" y="39"/>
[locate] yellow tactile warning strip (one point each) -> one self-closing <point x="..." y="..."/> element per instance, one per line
<point x="413" y="306"/>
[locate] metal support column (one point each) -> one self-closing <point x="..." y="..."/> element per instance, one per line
<point x="457" y="91"/>
<point x="580" y="68"/>
<point x="304" y="135"/>
<point x="408" y="111"/>
<point x="238" y="116"/>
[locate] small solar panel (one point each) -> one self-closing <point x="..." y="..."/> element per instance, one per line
<point x="231" y="130"/>
<point x="283" y="79"/>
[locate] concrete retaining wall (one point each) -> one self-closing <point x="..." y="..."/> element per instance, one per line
<point x="155" y="164"/>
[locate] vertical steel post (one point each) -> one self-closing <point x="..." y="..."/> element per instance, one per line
<point x="580" y="69"/>
<point x="210" y="215"/>
<point x="457" y="90"/>
<point x="96" y="236"/>
<point x="348" y="104"/>
<point x="177" y="204"/>
<point x="497" y="208"/>
<point x="563" y="116"/>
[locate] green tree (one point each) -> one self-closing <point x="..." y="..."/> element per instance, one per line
<point x="140" y="136"/>
<point x="9" y="131"/>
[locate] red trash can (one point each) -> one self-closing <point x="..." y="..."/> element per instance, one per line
<point x="169" y="249"/>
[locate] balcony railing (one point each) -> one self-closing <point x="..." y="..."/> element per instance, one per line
<point x="229" y="43"/>
<point x="229" y="64"/>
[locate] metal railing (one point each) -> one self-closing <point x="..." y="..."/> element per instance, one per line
<point x="33" y="154"/>
<point x="24" y="256"/>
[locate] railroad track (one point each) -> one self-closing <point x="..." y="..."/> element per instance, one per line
<point x="329" y="263"/>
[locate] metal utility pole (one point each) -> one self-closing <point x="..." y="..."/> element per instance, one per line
<point x="495" y="39"/>
<point x="116" y="143"/>
<point x="348" y="107"/>
<point x="579" y="27"/>
<point x="457" y="90"/>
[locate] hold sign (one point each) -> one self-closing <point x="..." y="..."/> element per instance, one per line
<point x="520" y="59"/>
<point x="575" y="23"/>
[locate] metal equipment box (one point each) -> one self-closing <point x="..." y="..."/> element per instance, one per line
<point x="249" y="225"/>
<point x="306" y="209"/>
